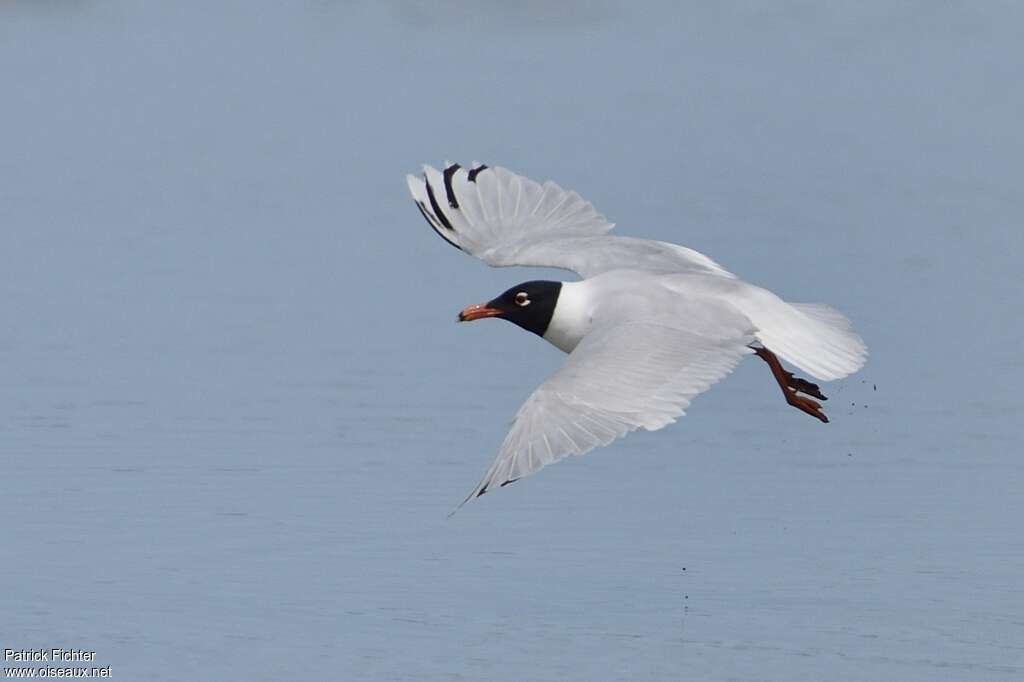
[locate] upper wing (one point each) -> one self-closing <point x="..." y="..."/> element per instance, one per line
<point x="619" y="378"/>
<point x="507" y="219"/>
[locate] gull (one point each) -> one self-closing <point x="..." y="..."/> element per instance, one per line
<point x="647" y="327"/>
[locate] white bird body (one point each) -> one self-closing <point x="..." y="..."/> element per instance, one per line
<point x="573" y="316"/>
<point x="635" y="295"/>
<point x="649" y="326"/>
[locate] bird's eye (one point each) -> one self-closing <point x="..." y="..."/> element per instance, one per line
<point x="522" y="299"/>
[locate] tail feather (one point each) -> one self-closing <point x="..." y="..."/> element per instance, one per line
<point x="812" y="336"/>
<point x="817" y="339"/>
<point x="825" y="314"/>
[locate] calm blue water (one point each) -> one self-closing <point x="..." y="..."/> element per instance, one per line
<point x="235" y="409"/>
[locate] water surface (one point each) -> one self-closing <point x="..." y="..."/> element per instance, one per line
<point x="235" y="410"/>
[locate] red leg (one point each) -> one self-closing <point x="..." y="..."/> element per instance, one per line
<point x="790" y="385"/>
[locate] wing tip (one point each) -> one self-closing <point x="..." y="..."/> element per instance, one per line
<point x="435" y="207"/>
<point x="450" y="170"/>
<point x="476" y="170"/>
<point x="476" y="492"/>
<point x="423" y="194"/>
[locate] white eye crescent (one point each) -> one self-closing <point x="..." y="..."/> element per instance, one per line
<point x="522" y="299"/>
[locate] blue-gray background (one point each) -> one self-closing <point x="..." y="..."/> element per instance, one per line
<point x="235" y="409"/>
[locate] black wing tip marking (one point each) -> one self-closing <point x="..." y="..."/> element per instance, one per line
<point x="473" y="172"/>
<point x="436" y="217"/>
<point x="487" y="486"/>
<point x="434" y="205"/>
<point x="448" y="173"/>
<point x="434" y="226"/>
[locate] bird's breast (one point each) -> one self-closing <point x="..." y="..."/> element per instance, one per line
<point x="572" y="317"/>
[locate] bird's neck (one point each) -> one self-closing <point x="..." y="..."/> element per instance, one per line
<point x="571" y="318"/>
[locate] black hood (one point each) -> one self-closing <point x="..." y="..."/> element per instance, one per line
<point x="533" y="311"/>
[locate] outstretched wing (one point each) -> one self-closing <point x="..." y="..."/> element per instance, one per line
<point x="620" y="377"/>
<point x="506" y="219"/>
